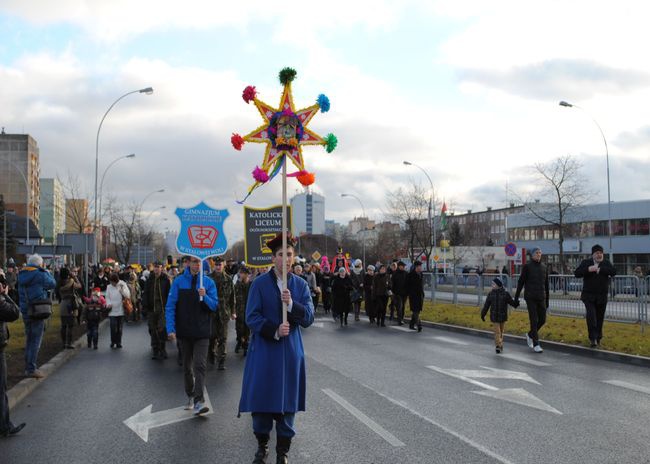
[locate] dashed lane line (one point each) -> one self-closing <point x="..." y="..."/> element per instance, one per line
<point x="450" y="340"/>
<point x="629" y="386"/>
<point x="524" y="359"/>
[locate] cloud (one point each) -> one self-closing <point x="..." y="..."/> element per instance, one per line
<point x="581" y="79"/>
<point x="633" y="140"/>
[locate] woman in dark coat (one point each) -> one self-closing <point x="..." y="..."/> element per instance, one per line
<point x="380" y="287"/>
<point x="341" y="301"/>
<point x="415" y="290"/>
<point x="68" y="304"/>
<point x="367" y="290"/>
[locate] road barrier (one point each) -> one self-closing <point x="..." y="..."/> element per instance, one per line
<point x="628" y="295"/>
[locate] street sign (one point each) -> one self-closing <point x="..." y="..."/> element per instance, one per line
<point x="260" y="226"/>
<point x="510" y="249"/>
<point x="315" y="256"/>
<point x="436" y="258"/>
<point x="201" y="234"/>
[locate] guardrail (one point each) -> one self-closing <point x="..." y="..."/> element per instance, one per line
<point x="628" y="297"/>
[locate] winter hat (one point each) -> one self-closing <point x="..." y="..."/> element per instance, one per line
<point x="357" y="263"/>
<point x="341" y="269"/>
<point x="497" y="281"/>
<point x="371" y="267"/>
<point x="535" y="250"/>
<point x="596" y="248"/>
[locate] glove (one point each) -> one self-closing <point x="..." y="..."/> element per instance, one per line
<point x="516" y="302"/>
<point x="483" y="317"/>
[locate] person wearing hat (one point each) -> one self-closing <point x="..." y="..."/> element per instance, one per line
<point x="225" y="312"/>
<point x="497" y="302"/>
<point x="274" y="382"/>
<point x="595" y="272"/>
<point x="154" y="299"/>
<point x="241" y="298"/>
<point x="415" y="290"/>
<point x="94" y="305"/>
<point x="534" y="279"/>
<point x="368" y="279"/>
<point x="398" y="287"/>
<point x="341" y="301"/>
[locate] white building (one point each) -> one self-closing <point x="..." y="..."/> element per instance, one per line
<point x="308" y="213"/>
<point x="52" y="209"/>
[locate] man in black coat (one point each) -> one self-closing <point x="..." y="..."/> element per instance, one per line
<point x="398" y="287"/>
<point x="156" y="290"/>
<point x="534" y="277"/>
<point x="415" y="291"/>
<point x="596" y="272"/>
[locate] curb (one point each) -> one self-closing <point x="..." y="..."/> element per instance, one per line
<point x="614" y="356"/>
<point x="23" y="388"/>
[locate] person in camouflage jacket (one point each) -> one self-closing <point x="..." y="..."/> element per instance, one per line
<point x="225" y="312"/>
<point x="241" y="297"/>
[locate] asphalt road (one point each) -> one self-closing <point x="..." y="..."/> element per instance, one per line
<point x="375" y="395"/>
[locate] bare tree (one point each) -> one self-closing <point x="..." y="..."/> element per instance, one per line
<point x="562" y="189"/>
<point x="124" y="227"/>
<point x="77" y="205"/>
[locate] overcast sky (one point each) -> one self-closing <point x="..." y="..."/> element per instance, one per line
<point x="466" y="89"/>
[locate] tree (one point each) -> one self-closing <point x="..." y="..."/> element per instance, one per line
<point x="124" y="224"/>
<point x="76" y="203"/>
<point x="455" y="235"/>
<point x="562" y="189"/>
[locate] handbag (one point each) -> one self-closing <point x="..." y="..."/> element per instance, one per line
<point x="39" y="309"/>
<point x="127" y="305"/>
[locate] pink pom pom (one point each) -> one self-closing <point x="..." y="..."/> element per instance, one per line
<point x="237" y="141"/>
<point x="249" y="93"/>
<point x="260" y="175"/>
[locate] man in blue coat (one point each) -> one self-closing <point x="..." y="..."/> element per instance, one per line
<point x="274" y="383"/>
<point x="188" y="315"/>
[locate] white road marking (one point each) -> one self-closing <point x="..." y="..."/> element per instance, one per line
<point x="487" y="373"/>
<point x="402" y="328"/>
<point x="371" y="424"/>
<point x="451" y="432"/>
<point x="324" y="319"/>
<point x="629" y="386"/>
<point x="523" y="359"/>
<point x="144" y="420"/>
<point x="319" y="325"/>
<point x="450" y="340"/>
<point x="519" y="396"/>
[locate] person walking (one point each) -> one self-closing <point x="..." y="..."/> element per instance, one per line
<point x="534" y="280"/>
<point x="497" y="302"/>
<point x="188" y="315"/>
<point x="595" y="272"/>
<point x="415" y="291"/>
<point x="398" y="287"/>
<point x="371" y="310"/>
<point x="225" y="312"/>
<point x="154" y="300"/>
<point x="274" y="382"/>
<point x="116" y="292"/>
<point x="357" y="277"/>
<point x="326" y="288"/>
<point x="8" y="313"/>
<point x="241" y="298"/>
<point x="92" y="314"/>
<point x="380" y="288"/>
<point x="34" y="283"/>
<point x="69" y="306"/>
<point x="342" y="288"/>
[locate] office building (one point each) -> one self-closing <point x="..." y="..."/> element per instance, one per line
<point x="52" y="209"/>
<point x="308" y="213"/>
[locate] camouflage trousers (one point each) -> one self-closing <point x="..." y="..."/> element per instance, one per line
<point x="217" y="347"/>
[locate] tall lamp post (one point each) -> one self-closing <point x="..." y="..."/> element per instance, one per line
<point x="431" y="212"/>
<point x="24" y="176"/>
<point x="609" y="199"/>
<point x="140" y="210"/>
<point x="363" y="210"/>
<point x="146" y="91"/>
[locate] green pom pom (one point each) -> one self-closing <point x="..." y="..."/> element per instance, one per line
<point x="330" y="142"/>
<point x="287" y="75"/>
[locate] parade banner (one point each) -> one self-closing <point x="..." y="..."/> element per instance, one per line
<point x="262" y="225"/>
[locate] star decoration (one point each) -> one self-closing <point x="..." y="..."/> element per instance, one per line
<point x="284" y="132"/>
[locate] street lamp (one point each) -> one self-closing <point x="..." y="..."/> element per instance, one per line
<point x="363" y="210"/>
<point x="431" y="212"/>
<point x="609" y="199"/>
<point x="146" y="91"/>
<point x="23" y="175"/>
<point x="140" y="211"/>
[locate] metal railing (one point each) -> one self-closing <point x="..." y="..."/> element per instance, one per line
<point x="628" y="295"/>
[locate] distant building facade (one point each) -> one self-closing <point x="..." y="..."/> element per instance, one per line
<point x="484" y="228"/>
<point x="76" y="216"/>
<point x="52" y="209"/>
<point x="19" y="174"/>
<point x="308" y="213"/>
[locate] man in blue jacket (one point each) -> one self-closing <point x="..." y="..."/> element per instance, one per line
<point x="187" y="312"/>
<point x="274" y="383"/>
<point x="34" y="283"/>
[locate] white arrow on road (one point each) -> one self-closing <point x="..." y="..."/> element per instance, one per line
<point x="144" y="420"/>
<point x="512" y="395"/>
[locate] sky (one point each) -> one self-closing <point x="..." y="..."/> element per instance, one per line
<point x="467" y="90"/>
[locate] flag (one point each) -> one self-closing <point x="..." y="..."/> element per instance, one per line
<point x="443" y="216"/>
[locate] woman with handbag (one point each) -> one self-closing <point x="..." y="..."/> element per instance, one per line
<point x="66" y="289"/>
<point x="117" y="295"/>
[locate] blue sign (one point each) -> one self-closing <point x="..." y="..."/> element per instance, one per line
<point x="510" y="249"/>
<point x="201" y="233"/>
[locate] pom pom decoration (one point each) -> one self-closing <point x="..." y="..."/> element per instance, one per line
<point x="237" y="141"/>
<point x="287" y="75"/>
<point x="330" y="142"/>
<point x="260" y="175"/>
<point x="306" y="179"/>
<point x="249" y="94"/>
<point x="323" y="103"/>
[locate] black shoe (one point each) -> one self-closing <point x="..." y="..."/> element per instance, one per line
<point x="400" y="323"/>
<point x="112" y="345"/>
<point x="412" y="327"/>
<point x="262" y="448"/>
<point x="498" y="350"/>
<point x="163" y="354"/>
<point x="118" y="346"/>
<point x="282" y="450"/>
<point x="94" y="347"/>
<point x="69" y="347"/>
<point x="237" y="347"/>
<point x="154" y="355"/>
<point x="13" y="430"/>
<point x="419" y="328"/>
<point x="221" y="366"/>
<point x="594" y="344"/>
<point x="90" y="345"/>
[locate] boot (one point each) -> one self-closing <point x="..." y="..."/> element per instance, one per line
<point x="282" y="450"/>
<point x="237" y="347"/>
<point x="222" y="365"/>
<point x="262" y="448"/>
<point x="163" y="353"/>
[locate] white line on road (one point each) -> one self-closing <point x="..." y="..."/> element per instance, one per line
<point x="403" y="329"/>
<point x="629" y="386"/>
<point x="462" y="377"/>
<point x="524" y="359"/>
<point x="450" y="340"/>
<point x="457" y="435"/>
<point x="371" y="424"/>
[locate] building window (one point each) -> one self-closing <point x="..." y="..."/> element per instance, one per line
<point x="638" y="227"/>
<point x="601" y="229"/>
<point x="618" y="227"/>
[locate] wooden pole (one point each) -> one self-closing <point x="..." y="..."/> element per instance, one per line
<point x="284" y="234"/>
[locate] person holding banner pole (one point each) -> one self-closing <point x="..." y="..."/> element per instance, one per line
<point x="192" y="299"/>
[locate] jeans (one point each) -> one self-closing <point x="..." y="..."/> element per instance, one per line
<point x="537" y="318"/>
<point x="195" y="360"/>
<point x="263" y="423"/>
<point x="595" y="317"/>
<point x="5" y="423"/>
<point x="92" y="332"/>
<point x="116" y="329"/>
<point x="398" y="302"/>
<point x="34" y="330"/>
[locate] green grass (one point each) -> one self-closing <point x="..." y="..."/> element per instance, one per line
<point x="619" y="337"/>
<point x="52" y="332"/>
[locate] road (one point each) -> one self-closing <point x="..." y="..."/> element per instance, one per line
<point x="375" y="395"/>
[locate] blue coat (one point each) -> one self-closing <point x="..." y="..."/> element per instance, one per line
<point x="274" y="376"/>
<point x="185" y="315"/>
<point x="33" y="284"/>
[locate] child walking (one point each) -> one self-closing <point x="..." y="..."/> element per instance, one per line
<point x="497" y="302"/>
<point x="92" y="315"/>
